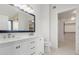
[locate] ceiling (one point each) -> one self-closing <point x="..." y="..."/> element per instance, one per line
<point x="64" y="11"/>
<point x="7" y="10"/>
<point x="64" y="7"/>
<point x="67" y="14"/>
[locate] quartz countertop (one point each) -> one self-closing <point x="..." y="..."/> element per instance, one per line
<point x="7" y="40"/>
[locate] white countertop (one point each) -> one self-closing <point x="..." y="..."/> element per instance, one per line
<point x="7" y="40"/>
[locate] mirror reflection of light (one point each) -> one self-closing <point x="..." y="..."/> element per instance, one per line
<point x="25" y="7"/>
<point x="73" y="18"/>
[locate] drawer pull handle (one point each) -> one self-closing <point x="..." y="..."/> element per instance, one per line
<point x="32" y="48"/>
<point x="18" y="47"/>
<point x="33" y="53"/>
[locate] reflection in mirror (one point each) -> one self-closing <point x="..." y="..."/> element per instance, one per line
<point x="14" y="19"/>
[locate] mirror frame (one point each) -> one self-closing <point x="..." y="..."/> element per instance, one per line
<point x="19" y="31"/>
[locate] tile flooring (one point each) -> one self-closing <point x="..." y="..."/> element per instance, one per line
<point x="67" y="47"/>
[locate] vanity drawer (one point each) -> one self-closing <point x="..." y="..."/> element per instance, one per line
<point x="29" y="51"/>
<point x="31" y="40"/>
<point x="31" y="46"/>
<point x="32" y="50"/>
<point x="31" y="43"/>
<point x="33" y="53"/>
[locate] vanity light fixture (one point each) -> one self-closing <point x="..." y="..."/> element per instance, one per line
<point x="25" y="7"/>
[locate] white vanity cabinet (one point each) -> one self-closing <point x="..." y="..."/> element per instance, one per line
<point x="30" y="46"/>
<point x="9" y="50"/>
<point x="40" y="46"/>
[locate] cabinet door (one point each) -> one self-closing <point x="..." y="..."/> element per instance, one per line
<point x="9" y="50"/>
<point x="18" y="48"/>
<point x="40" y="46"/>
<point x="23" y="48"/>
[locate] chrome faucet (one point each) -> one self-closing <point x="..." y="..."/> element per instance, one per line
<point x="8" y="36"/>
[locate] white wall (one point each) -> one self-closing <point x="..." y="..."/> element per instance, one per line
<point x="4" y="22"/>
<point x="77" y="31"/>
<point x="64" y="7"/>
<point x="60" y="29"/>
<point x="54" y="28"/>
<point x="44" y="17"/>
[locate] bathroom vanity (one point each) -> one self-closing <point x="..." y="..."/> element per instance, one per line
<point x="22" y="46"/>
<point x="16" y="19"/>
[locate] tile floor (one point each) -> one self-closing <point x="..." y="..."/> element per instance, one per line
<point x="67" y="47"/>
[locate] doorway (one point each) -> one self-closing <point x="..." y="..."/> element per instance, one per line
<point x="66" y="30"/>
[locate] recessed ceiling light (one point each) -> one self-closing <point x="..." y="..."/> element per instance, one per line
<point x="54" y="7"/>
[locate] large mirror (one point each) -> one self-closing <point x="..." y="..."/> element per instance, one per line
<point x="14" y="19"/>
